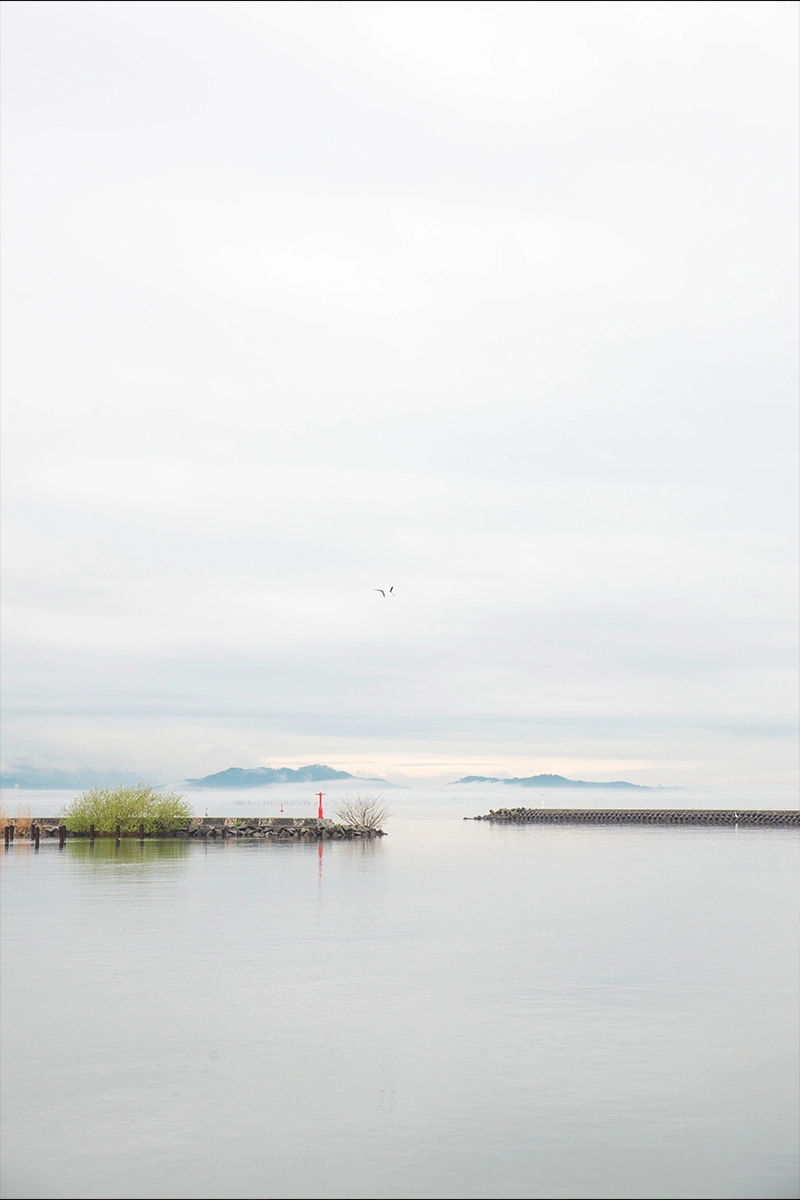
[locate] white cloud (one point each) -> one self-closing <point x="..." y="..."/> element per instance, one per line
<point x="569" y="440"/>
<point x="525" y="50"/>
<point x="653" y="19"/>
<point x="332" y="267"/>
<point x="499" y="51"/>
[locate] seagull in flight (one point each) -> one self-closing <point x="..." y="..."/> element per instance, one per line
<point x="383" y="593"/>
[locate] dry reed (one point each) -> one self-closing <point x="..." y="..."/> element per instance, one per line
<point x="22" y="824"/>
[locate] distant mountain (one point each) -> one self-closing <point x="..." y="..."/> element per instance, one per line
<point x="45" y="779"/>
<point x="241" y="777"/>
<point x="236" y="777"/>
<point x="553" y="781"/>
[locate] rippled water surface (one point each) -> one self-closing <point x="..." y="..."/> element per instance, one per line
<point x="456" y="1010"/>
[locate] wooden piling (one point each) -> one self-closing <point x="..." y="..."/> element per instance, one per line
<point x="35" y="836"/>
<point x="117" y="833"/>
<point x="91" y="833"/>
<point x="141" y="833"/>
<point x="62" y="836"/>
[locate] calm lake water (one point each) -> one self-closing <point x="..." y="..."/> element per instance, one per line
<point x="456" y="1010"/>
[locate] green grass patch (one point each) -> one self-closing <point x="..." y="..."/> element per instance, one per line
<point x="128" y="807"/>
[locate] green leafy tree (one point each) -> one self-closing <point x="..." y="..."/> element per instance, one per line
<point x="128" y="807"/>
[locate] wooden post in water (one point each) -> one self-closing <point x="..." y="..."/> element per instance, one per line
<point x="141" y="832"/>
<point x="35" y="836"/>
<point x="11" y="831"/>
<point x="117" y="834"/>
<point x="62" y="836"/>
<point x="91" y="833"/>
<point x="7" y="836"/>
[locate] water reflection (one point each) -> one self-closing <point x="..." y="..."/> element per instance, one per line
<point x="128" y="852"/>
<point x="454" y="1010"/>
<point x="106" y="851"/>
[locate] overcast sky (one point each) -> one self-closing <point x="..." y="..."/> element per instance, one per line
<point x="492" y="302"/>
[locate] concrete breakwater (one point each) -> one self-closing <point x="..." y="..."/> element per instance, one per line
<point x="760" y="818"/>
<point x="217" y="829"/>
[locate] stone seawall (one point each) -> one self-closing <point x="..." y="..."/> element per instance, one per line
<point x="219" y="828"/>
<point x="761" y="818"/>
<point x="275" y="828"/>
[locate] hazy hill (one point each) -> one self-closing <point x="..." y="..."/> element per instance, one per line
<point x="554" y="781"/>
<point x="241" y="777"/>
<point x="44" y="778"/>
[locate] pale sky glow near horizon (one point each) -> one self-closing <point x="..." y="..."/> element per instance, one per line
<point x="492" y="302"/>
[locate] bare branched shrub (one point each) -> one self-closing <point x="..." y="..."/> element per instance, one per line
<point x="23" y="821"/>
<point x="3" y="818"/>
<point x="362" y="811"/>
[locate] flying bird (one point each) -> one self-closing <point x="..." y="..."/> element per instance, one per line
<point x="391" y="591"/>
<point x="382" y="592"/>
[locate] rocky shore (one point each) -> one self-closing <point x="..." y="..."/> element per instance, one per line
<point x="221" y="828"/>
<point x="773" y="818"/>
<point x="275" y="828"/>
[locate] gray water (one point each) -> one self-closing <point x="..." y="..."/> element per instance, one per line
<point x="456" y="1010"/>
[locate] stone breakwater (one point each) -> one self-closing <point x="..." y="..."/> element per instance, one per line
<point x="760" y="818"/>
<point x="274" y="828"/>
<point x="222" y="828"/>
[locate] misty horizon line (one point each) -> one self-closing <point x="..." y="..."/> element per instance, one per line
<point x="248" y="778"/>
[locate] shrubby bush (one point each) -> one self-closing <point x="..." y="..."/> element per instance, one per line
<point x="362" y="811"/>
<point x="128" y="807"/>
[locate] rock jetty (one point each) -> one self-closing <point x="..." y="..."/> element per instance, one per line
<point x="772" y="818"/>
<point x="221" y="828"/>
<point x="274" y="828"/>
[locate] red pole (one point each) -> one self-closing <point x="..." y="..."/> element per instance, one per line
<point x="320" y="794"/>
